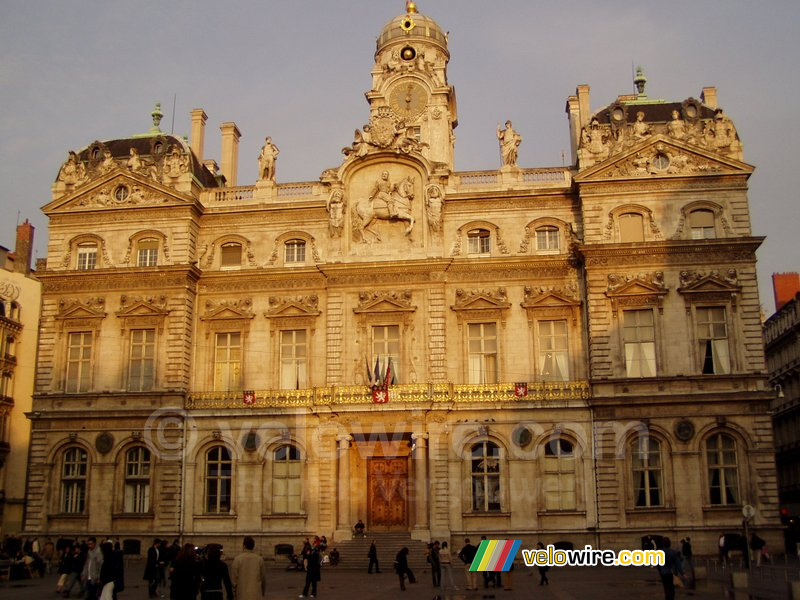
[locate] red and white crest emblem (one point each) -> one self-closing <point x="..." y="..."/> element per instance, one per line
<point x="520" y="390"/>
<point x="249" y="397"/>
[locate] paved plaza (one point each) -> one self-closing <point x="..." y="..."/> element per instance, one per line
<point x="567" y="583"/>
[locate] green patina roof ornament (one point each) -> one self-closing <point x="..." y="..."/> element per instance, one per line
<point x="639" y="81"/>
<point x="157" y="116"/>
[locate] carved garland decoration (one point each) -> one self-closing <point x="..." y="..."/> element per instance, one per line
<point x="642" y="289"/>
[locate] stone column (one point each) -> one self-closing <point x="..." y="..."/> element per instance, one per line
<point x="343" y="525"/>
<point x="420" y="461"/>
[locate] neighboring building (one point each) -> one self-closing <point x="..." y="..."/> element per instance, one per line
<point x="20" y="297"/>
<point x="782" y="336"/>
<point x="572" y="353"/>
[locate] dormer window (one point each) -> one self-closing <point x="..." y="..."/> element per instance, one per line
<point x="547" y="239"/>
<point x="701" y="224"/>
<point x="147" y="253"/>
<point x="295" y="252"/>
<point x="87" y="256"/>
<point x="231" y="255"/>
<point x="479" y="241"/>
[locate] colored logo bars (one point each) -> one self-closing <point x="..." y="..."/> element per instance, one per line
<point x="495" y="555"/>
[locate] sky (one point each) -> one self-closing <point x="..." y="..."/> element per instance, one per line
<point x="297" y="70"/>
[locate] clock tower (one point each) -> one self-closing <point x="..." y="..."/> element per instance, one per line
<point x="409" y="84"/>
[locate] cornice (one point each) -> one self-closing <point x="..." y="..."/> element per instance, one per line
<point x="119" y="279"/>
<point x="673" y="252"/>
<point x="672" y="183"/>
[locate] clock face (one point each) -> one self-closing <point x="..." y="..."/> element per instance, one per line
<point x="408" y="99"/>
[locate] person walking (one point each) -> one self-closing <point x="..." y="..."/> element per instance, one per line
<point x="214" y="575"/>
<point x="151" y="568"/>
<point x="313" y="573"/>
<point x="111" y="579"/>
<point x="467" y="555"/>
<point x="543" y="569"/>
<point x="249" y="573"/>
<point x="373" y="558"/>
<point x="672" y="566"/>
<point x="402" y="569"/>
<point x="446" y="560"/>
<point x="185" y="575"/>
<point x="91" y="568"/>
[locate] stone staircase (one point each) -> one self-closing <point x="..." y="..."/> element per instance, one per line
<point x="353" y="552"/>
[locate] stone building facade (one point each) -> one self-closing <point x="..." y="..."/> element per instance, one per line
<point x="20" y="294"/>
<point x="569" y="353"/>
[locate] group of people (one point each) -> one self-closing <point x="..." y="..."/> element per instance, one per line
<point x="91" y="570"/>
<point x="191" y="571"/>
<point x="25" y="557"/>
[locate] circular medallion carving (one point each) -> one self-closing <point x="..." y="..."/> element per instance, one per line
<point x="684" y="430"/>
<point x="250" y="441"/>
<point x="104" y="442"/>
<point x="521" y="436"/>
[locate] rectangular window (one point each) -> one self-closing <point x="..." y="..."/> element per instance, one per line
<point x="73" y="481"/>
<point x="631" y="227"/>
<point x="386" y="346"/>
<point x="294" y="361"/>
<point x="559" y="476"/>
<point x="640" y="346"/>
<point x="137" y="481"/>
<point x="553" y="351"/>
<point x="295" y="251"/>
<point x="482" y="353"/>
<point x="228" y="362"/>
<point x="478" y="241"/>
<point x="702" y="225"/>
<point x="230" y="255"/>
<point x="142" y="368"/>
<point x="712" y="335"/>
<point x="147" y="253"/>
<point x="547" y="239"/>
<point x="87" y="257"/>
<point x="287" y="483"/>
<point x="79" y="362"/>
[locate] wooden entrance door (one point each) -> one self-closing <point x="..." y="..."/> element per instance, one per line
<point x="388" y="494"/>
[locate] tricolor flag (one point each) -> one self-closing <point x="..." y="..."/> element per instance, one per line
<point x="495" y="555"/>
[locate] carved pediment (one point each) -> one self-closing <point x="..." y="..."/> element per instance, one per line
<point x="142" y="306"/>
<point x="636" y="285"/>
<point x="660" y="156"/>
<point x="694" y="282"/>
<point x="304" y="306"/>
<point x="538" y="297"/>
<point x="75" y="308"/>
<point x="226" y="310"/>
<point x="481" y="299"/>
<point x="384" y="302"/>
<point x="114" y="190"/>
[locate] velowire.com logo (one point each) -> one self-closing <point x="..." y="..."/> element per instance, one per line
<point x="495" y="555"/>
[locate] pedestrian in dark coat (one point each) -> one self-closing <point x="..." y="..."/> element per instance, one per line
<point x="373" y="558"/>
<point x="151" y="568"/>
<point x="215" y="575"/>
<point x="401" y="568"/>
<point x="185" y="575"/>
<point x="313" y="572"/>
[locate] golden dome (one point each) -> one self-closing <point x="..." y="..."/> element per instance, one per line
<point x="410" y="26"/>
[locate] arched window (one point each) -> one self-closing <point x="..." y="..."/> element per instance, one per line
<point x="74" y="469"/>
<point x="631" y="227"/>
<point x="701" y="224"/>
<point x="485" y="468"/>
<point x="287" y="485"/>
<point x="547" y="238"/>
<point x="559" y="475"/>
<point x="218" y="480"/>
<point x="478" y="241"/>
<point x="723" y="470"/>
<point x="147" y="252"/>
<point x="647" y="471"/>
<point x="230" y="255"/>
<point x="137" y="480"/>
<point x="87" y="256"/>
<point x="295" y="252"/>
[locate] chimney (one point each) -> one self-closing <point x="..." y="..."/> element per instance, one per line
<point x="574" y="127"/>
<point x="230" y="152"/>
<point x="709" y="97"/>
<point x="584" y="108"/>
<point x="198" y="132"/>
<point x="785" y="286"/>
<point x="24" y="248"/>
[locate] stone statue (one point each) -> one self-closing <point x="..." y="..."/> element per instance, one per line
<point x="362" y="143"/>
<point x="677" y="127"/>
<point x="108" y="163"/>
<point x="404" y="142"/>
<point x="175" y="164"/>
<point x="641" y="130"/>
<point x="594" y="145"/>
<point x="134" y="162"/>
<point x="72" y="171"/>
<point x="434" y="204"/>
<point x="509" y="143"/>
<point x="335" y="207"/>
<point x="266" y="160"/>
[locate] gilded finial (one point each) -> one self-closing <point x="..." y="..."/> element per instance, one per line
<point x="411" y="7"/>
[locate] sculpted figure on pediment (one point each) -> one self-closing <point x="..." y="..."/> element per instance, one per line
<point x="73" y="171"/>
<point x="676" y="128"/>
<point x="640" y="129"/>
<point x="335" y="207"/>
<point x="108" y="163"/>
<point x="434" y="202"/>
<point x="404" y="142"/>
<point x="595" y="146"/>
<point x="509" y="144"/>
<point x="362" y="143"/>
<point x="175" y="164"/>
